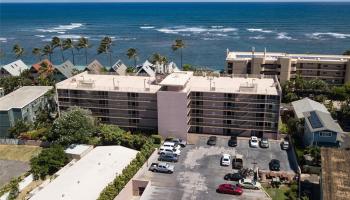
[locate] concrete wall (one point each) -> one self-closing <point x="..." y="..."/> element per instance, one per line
<point x="172" y="114"/>
<point x="347" y="73"/>
<point x="285" y="69"/>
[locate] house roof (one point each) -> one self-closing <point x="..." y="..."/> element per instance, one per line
<point x="22" y="96"/>
<point x="86" y="178"/>
<point x="306" y="105"/>
<point x="66" y="68"/>
<point x="119" y="67"/>
<point x="15" y="68"/>
<point x="37" y="66"/>
<point x="318" y="120"/>
<point x="95" y="66"/>
<point x="335" y="172"/>
<point x="147" y="67"/>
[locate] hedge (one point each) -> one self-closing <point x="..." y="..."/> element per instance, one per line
<point x="117" y="185"/>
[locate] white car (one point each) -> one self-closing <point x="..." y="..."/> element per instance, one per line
<point x="225" y="160"/>
<point x="169" y="150"/>
<point x="254" y="142"/>
<point x="172" y="145"/>
<point x="249" y="184"/>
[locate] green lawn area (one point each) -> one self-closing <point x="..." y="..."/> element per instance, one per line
<point x="277" y="193"/>
<point x="18" y="152"/>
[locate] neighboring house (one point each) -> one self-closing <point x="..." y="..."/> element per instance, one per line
<point x="166" y="69"/>
<point x="119" y="67"/>
<point x="319" y="127"/>
<point x="64" y="70"/>
<point x="37" y="67"/>
<point x="146" y="69"/>
<point x="95" y="67"/>
<point x="13" y="69"/>
<point x="22" y="104"/>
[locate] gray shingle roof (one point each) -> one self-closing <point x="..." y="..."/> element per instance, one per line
<point x="66" y="68"/>
<point x="307" y="105"/>
<point x="325" y="119"/>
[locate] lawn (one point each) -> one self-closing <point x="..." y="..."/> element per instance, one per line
<point x="18" y="152"/>
<point x="277" y="193"/>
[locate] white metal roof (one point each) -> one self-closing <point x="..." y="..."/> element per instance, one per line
<point x="119" y="67"/>
<point x="22" y="96"/>
<point x="15" y="68"/>
<point x="146" y="66"/>
<point x="89" y="176"/>
<point x="95" y="66"/>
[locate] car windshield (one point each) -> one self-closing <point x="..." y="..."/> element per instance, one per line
<point x="254" y="140"/>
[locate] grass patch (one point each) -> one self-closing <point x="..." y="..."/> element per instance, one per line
<point x="18" y="152"/>
<point x="277" y="193"/>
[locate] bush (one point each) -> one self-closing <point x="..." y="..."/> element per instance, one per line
<point x="48" y="162"/>
<point x="11" y="186"/>
<point x="14" y="190"/>
<point x="157" y="139"/>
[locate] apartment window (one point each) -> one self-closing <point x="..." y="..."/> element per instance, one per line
<point x="259" y="114"/>
<point x="134" y="121"/>
<point x="229" y="104"/>
<point x="325" y="134"/>
<point x="133" y="112"/>
<point x="259" y="123"/>
<point x="227" y="122"/>
<point x="133" y="104"/>
<point x="229" y="113"/>
<point x="198" y="94"/>
<point x="133" y="95"/>
<point x="229" y="96"/>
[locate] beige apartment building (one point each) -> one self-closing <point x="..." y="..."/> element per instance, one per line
<point x="180" y="103"/>
<point x="333" y="69"/>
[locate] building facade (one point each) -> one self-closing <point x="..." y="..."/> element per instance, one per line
<point x="181" y="103"/>
<point x="333" y="69"/>
<point x="21" y="104"/>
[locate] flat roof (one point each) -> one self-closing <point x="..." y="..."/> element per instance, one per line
<point x="335" y="174"/>
<point x="265" y="86"/>
<point x="108" y="82"/>
<point x="177" y="79"/>
<point x="275" y="55"/>
<point x="22" y="96"/>
<point x="89" y="176"/>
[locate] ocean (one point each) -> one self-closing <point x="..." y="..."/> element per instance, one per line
<point x="208" y="29"/>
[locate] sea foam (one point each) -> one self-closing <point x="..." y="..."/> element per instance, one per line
<point x="260" y="30"/>
<point x="284" y="36"/>
<point x="60" y="28"/>
<point x="321" y="36"/>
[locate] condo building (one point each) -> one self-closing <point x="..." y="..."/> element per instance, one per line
<point x="333" y="69"/>
<point x="180" y="103"/>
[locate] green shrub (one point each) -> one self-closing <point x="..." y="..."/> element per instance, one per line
<point x="157" y="139"/>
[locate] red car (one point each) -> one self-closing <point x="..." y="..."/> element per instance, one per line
<point x="229" y="189"/>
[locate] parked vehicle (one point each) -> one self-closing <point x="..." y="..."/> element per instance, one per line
<point x="225" y="160"/>
<point x="229" y="189"/>
<point x="169" y="150"/>
<point x="237" y="161"/>
<point x="212" y="140"/>
<point x="254" y="142"/>
<point x="285" y="145"/>
<point x="264" y="143"/>
<point x="249" y="184"/>
<point x="233" y="177"/>
<point x="275" y="165"/>
<point x="177" y="141"/>
<point x="162" y="168"/>
<point x="168" y="157"/>
<point x="172" y="145"/>
<point x="232" y="141"/>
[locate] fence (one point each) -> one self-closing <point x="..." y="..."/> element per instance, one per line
<point x="10" y="141"/>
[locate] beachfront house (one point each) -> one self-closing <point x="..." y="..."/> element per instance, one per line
<point x="21" y="104"/>
<point x="146" y="69"/>
<point x="13" y="69"/>
<point x="64" y="71"/>
<point x="43" y="67"/>
<point x="95" y="67"/>
<point x="166" y="68"/>
<point x="320" y="128"/>
<point x="119" y="67"/>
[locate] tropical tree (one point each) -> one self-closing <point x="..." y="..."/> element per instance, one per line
<point x="159" y="59"/>
<point x="105" y="47"/>
<point x="47" y="51"/>
<point x="132" y="54"/>
<point x="18" y="50"/>
<point x="37" y="52"/>
<point x="178" y="45"/>
<point x="56" y="42"/>
<point x="346" y="53"/>
<point x="68" y="44"/>
<point x="83" y="43"/>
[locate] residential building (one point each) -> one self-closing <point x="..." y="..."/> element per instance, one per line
<point x="22" y="104"/>
<point x="335" y="184"/>
<point x="64" y="70"/>
<point x="119" y="67"/>
<point x="87" y="177"/>
<point x="333" y="69"/>
<point x="13" y="69"/>
<point x="320" y="128"/>
<point x="37" y="68"/>
<point x="181" y="103"/>
<point x="145" y="69"/>
<point x="95" y="67"/>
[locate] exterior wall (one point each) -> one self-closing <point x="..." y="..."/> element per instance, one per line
<point x="285" y="69"/>
<point x="126" y="109"/>
<point x="5" y="123"/>
<point x="238" y="67"/>
<point x="325" y="140"/>
<point x="347" y="72"/>
<point x="172" y="114"/>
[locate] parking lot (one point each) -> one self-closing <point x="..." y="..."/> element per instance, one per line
<point x="198" y="172"/>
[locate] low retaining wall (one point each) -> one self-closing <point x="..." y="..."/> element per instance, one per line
<point x="10" y="141"/>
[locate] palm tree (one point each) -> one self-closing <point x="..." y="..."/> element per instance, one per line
<point x="159" y="59"/>
<point x="56" y="42"/>
<point x="132" y="54"/>
<point x="68" y="44"/>
<point x="83" y="43"/>
<point x="48" y="51"/>
<point x="105" y="47"/>
<point x="18" y="50"/>
<point x="178" y="44"/>
<point x="37" y="52"/>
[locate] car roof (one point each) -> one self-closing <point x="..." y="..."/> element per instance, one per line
<point x="247" y="180"/>
<point x="169" y="143"/>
